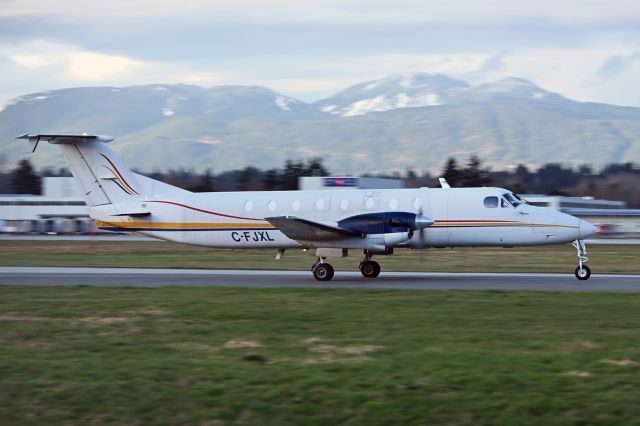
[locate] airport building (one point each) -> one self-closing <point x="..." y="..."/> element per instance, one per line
<point x="348" y="182"/>
<point x="61" y="209"/>
<point x="562" y="203"/>
<point x="612" y="218"/>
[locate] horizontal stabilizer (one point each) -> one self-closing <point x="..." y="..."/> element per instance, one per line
<point x="62" y="139"/>
<point x="132" y="209"/>
<point x="134" y="214"/>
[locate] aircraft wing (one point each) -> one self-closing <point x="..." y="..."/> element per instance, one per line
<point x="305" y="230"/>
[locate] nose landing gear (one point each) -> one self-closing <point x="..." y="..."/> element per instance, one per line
<point x="582" y="272"/>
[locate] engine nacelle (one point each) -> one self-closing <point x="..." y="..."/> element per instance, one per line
<point x="373" y="242"/>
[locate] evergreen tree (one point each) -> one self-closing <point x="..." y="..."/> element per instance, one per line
<point x="25" y="180"/>
<point x="315" y="168"/>
<point x="292" y="171"/>
<point x="474" y="175"/>
<point x="451" y="172"/>
<point x="271" y="180"/>
<point x="206" y="184"/>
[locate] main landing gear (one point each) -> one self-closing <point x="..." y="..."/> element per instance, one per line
<point x="369" y="268"/>
<point x="583" y="272"/>
<point x="322" y="271"/>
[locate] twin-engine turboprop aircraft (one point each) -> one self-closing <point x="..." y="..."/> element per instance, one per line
<point x="331" y="222"/>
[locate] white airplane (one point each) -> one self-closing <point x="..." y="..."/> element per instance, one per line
<point x="331" y="222"/>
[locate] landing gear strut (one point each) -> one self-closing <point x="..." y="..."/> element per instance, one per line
<point x="322" y="271"/>
<point x="368" y="267"/>
<point x="583" y="272"/>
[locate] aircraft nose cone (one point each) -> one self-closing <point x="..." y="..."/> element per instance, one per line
<point x="586" y="229"/>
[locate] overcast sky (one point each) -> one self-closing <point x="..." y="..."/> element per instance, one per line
<point x="588" y="50"/>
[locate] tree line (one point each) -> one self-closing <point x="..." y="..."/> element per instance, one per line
<point x="615" y="181"/>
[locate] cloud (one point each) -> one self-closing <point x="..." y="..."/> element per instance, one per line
<point x="585" y="49"/>
<point x="75" y="65"/>
<point x="618" y="63"/>
<point x="42" y="65"/>
<point x="569" y="11"/>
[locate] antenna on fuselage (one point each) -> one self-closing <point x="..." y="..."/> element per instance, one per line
<point x="444" y="183"/>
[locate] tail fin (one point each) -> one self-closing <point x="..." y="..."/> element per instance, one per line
<point x="103" y="178"/>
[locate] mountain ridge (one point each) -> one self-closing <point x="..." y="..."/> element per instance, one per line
<point x="417" y="121"/>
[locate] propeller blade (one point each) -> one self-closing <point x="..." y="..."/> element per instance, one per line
<point x="422" y="221"/>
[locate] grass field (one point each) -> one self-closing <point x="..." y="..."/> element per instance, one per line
<point x="160" y="254"/>
<point x="215" y="356"/>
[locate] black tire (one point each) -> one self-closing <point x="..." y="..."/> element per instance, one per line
<point x="584" y="273"/>
<point x="323" y="272"/>
<point x="370" y="269"/>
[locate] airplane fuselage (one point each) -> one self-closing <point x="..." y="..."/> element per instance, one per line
<point x="330" y="221"/>
<point x="462" y="217"/>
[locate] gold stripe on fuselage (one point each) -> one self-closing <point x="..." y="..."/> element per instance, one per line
<point x="182" y="225"/>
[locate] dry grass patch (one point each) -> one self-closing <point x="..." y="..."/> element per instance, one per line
<point x="576" y="373"/>
<point x="151" y="311"/>
<point x="580" y="347"/>
<point x="108" y="320"/>
<point x="193" y="346"/>
<point x="345" y="350"/>
<point x="35" y="345"/>
<point x="332" y="359"/>
<point x="242" y="344"/>
<point x="13" y="316"/>
<point x="619" y="362"/>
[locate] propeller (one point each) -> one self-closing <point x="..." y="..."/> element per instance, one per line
<point x="422" y="222"/>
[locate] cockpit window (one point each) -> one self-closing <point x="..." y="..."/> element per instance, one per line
<point x="504" y="203"/>
<point x="513" y="199"/>
<point x="491" y="202"/>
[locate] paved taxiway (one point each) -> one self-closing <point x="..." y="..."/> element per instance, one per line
<point x="269" y="279"/>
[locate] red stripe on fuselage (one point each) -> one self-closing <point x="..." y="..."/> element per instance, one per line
<point x="204" y="211"/>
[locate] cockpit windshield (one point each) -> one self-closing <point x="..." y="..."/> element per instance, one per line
<point x="513" y="199"/>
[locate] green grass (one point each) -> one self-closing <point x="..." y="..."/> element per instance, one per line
<point x="161" y="254"/>
<point x="97" y="356"/>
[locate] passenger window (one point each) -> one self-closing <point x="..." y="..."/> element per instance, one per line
<point x="491" y="202"/>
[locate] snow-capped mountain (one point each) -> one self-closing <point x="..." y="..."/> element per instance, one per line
<point x="407" y="90"/>
<point x="414" y="90"/>
<point x="404" y="120"/>
<point x="507" y="88"/>
<point x="134" y="106"/>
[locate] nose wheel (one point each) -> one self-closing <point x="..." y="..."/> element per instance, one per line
<point x="582" y="272"/>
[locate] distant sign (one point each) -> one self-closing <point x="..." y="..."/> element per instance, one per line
<point x="340" y="181"/>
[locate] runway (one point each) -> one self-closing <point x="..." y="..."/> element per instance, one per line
<point x="132" y="277"/>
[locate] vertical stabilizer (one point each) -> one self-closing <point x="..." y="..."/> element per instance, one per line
<point x="104" y="179"/>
